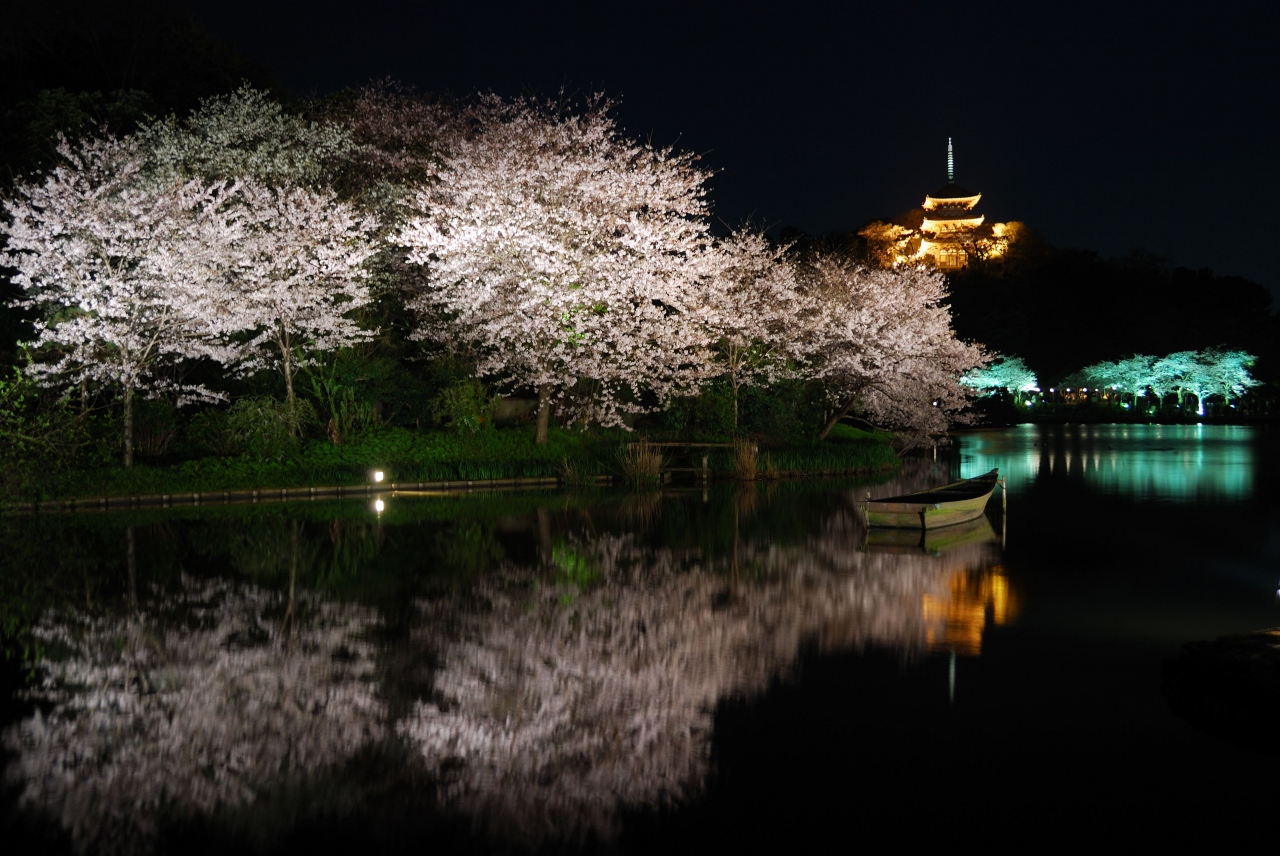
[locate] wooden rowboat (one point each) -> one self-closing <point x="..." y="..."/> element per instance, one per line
<point x="930" y="509"/>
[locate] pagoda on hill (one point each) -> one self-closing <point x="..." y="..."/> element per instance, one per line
<point x="950" y="222"/>
<point x="946" y="232"/>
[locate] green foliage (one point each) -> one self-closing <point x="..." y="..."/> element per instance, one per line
<point x="849" y="451"/>
<point x="264" y="428"/>
<point x="404" y="455"/>
<point x="207" y="432"/>
<point x="350" y="387"/>
<point x="789" y="410"/>
<point x="709" y="412"/>
<point x="155" y="426"/>
<point x="465" y="406"/>
<point x="575" y="572"/>
<point x="37" y="435"/>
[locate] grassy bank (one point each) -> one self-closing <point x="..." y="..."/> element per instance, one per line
<point x="410" y="456"/>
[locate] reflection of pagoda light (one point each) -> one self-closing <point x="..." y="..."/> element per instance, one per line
<point x="958" y="621"/>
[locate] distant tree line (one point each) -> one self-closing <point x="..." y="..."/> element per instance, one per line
<point x="1170" y="385"/>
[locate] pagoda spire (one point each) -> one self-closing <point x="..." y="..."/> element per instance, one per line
<point x="951" y="163"/>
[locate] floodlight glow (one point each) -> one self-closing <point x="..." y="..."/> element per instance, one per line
<point x="377" y="477"/>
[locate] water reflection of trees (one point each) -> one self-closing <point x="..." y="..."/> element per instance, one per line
<point x="555" y="705"/>
<point x="1177" y="462"/>
<point x="558" y="664"/>
<point x="195" y="701"/>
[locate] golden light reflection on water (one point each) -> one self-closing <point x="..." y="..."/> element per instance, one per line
<point x="956" y="622"/>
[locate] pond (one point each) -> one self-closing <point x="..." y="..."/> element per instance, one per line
<point x="693" y="668"/>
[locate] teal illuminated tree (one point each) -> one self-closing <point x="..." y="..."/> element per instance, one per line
<point x="1010" y="374"/>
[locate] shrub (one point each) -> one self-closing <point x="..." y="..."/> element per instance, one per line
<point x="466" y="406"/>
<point x="155" y="427"/>
<point x="261" y="427"/>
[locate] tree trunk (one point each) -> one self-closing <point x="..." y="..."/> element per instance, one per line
<point x="128" y="426"/>
<point x="291" y="403"/>
<point x="734" y="384"/>
<point x="290" y="624"/>
<point x="836" y="417"/>
<point x="545" y="548"/>
<point x="131" y="565"/>
<point x="544" y="414"/>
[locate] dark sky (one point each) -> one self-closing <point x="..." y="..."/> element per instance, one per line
<point x="1112" y="127"/>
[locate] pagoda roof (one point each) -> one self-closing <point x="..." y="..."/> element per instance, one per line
<point x="953" y="191"/>
<point x="951" y="214"/>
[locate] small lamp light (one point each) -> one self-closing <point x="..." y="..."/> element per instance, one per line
<point x="378" y="476"/>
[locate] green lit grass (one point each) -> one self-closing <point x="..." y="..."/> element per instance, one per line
<point x="407" y="456"/>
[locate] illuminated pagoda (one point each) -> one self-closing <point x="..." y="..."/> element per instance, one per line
<point x="950" y="221"/>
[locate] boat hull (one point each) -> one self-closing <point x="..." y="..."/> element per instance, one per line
<point x="931" y="509"/>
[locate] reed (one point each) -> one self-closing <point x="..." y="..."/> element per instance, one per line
<point x="576" y="471"/>
<point x="640" y="463"/>
<point x="769" y="467"/>
<point x="745" y="459"/>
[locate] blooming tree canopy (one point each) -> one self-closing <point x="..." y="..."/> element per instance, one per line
<point x="1008" y="373"/>
<point x="564" y="254"/>
<point x="295" y="277"/>
<point x="888" y="347"/>
<point x="246" y="134"/>
<point x="758" y="321"/>
<point x="120" y="271"/>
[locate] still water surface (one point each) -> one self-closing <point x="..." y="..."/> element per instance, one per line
<point x="692" y="669"/>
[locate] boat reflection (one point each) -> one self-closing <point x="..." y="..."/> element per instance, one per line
<point x="978" y="593"/>
<point x="934" y="541"/>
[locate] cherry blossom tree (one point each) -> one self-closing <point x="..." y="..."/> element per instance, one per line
<point x="1211" y="371"/>
<point x="888" y="347"/>
<point x="246" y="134"/>
<point x="399" y="136"/>
<point x="1227" y="373"/>
<point x="120" y="271"/>
<point x="564" y="255"/>
<point x="296" y="276"/>
<point x="759" y="322"/>
<point x="1010" y="374"/>
<point x="1132" y="375"/>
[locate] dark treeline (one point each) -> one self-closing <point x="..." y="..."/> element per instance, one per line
<point x="1061" y="309"/>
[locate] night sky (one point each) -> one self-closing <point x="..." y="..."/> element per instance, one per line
<point x="1113" y="127"/>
